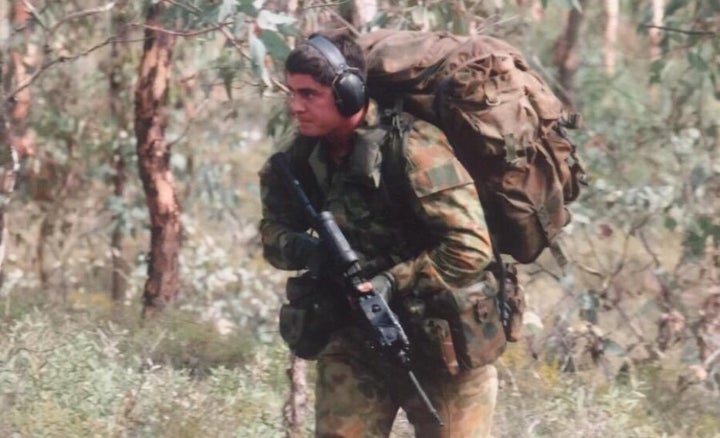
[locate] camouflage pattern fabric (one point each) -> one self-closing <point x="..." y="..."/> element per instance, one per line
<point x="358" y="395"/>
<point x="436" y="249"/>
<point x="451" y="244"/>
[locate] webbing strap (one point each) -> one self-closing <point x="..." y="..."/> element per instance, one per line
<point x="511" y="148"/>
<point x="558" y="254"/>
<point x="545" y="220"/>
<point x="396" y="189"/>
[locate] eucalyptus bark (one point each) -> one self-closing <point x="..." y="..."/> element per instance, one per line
<point x="119" y="108"/>
<point x="8" y="166"/>
<point x="655" y="34"/>
<point x="19" y="107"/>
<point x="612" y="17"/>
<point x="151" y="95"/>
<point x="565" y="53"/>
<point x="13" y="115"/>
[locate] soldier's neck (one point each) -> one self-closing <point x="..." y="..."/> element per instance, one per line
<point x="337" y="152"/>
<point x="340" y="141"/>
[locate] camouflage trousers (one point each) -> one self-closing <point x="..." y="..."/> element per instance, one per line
<point x="358" y="394"/>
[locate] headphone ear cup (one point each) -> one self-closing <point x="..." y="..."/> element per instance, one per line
<point x="350" y="93"/>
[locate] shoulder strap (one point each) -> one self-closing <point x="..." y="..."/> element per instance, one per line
<point x="395" y="183"/>
<point x="299" y="154"/>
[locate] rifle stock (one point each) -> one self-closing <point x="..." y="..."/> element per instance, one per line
<point x="369" y="308"/>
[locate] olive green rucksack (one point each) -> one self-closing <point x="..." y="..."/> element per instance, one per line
<point x="502" y="120"/>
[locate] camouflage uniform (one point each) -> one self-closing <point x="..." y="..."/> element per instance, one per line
<point x="440" y="243"/>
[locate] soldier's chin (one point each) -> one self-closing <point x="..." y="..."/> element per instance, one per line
<point x="308" y="131"/>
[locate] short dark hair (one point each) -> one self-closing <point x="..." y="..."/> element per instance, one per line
<point x="306" y="59"/>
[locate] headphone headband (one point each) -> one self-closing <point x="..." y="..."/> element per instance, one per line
<point x="330" y="52"/>
<point x="348" y="85"/>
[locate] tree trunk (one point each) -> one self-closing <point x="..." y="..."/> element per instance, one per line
<point x="119" y="82"/>
<point x="13" y="116"/>
<point x="20" y="106"/>
<point x="612" y="16"/>
<point x="658" y="12"/>
<point x="8" y="165"/>
<point x="655" y="36"/>
<point x="296" y="404"/>
<point x="565" y="55"/>
<point x="151" y="94"/>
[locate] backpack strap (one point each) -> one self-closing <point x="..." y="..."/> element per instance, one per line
<point x="395" y="185"/>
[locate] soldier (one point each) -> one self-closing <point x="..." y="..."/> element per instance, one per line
<point x="411" y="212"/>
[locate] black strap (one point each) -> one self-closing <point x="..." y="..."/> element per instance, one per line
<point x="503" y="306"/>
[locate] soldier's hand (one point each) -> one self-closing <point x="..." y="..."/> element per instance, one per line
<point x="383" y="284"/>
<point x="308" y="250"/>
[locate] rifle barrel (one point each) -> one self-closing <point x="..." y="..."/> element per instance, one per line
<point x="426" y="401"/>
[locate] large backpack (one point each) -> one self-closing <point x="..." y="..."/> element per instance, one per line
<point x="502" y="120"/>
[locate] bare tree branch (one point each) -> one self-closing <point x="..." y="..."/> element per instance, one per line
<point x="190" y="8"/>
<point x="34" y="13"/>
<point x="188" y="122"/>
<point x="80" y="14"/>
<point x="58" y="60"/>
<point x="237" y="46"/>
<point x="687" y="32"/>
<point x="64" y="58"/>
<point x="348" y="25"/>
<point x="328" y="5"/>
<point x="215" y="27"/>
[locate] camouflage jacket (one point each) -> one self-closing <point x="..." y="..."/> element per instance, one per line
<point x="425" y="222"/>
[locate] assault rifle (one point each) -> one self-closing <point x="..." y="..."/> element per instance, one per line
<point x="369" y="308"/>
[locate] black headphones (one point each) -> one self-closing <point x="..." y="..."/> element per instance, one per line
<point x="348" y="85"/>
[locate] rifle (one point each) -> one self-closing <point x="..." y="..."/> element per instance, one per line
<point x="369" y="308"/>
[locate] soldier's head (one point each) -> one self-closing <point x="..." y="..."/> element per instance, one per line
<point x="326" y="77"/>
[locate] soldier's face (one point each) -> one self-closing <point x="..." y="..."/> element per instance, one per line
<point x="313" y="106"/>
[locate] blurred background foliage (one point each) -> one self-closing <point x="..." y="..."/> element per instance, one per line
<point x="624" y="341"/>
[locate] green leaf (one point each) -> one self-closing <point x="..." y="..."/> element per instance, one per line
<point x="246" y="7"/>
<point x="698" y="232"/>
<point x="670" y="223"/>
<point x="649" y="306"/>
<point x="613" y="348"/>
<point x="379" y="20"/>
<point x="258" y="51"/>
<point x="419" y="15"/>
<point x="697" y="62"/>
<point x="532" y="323"/>
<point x="459" y="23"/>
<point x="544" y="4"/>
<point x="698" y="177"/>
<point x="290" y="30"/>
<point x="716" y="88"/>
<point x="656" y="69"/>
<point x="227" y="9"/>
<point x="227" y="68"/>
<point x="275" y="46"/>
<point x="690" y="353"/>
<point x="589" y="304"/>
<point x="270" y="20"/>
<point x="674" y="6"/>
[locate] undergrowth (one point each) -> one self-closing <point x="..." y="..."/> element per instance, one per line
<point x="65" y="373"/>
<point x="84" y="373"/>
